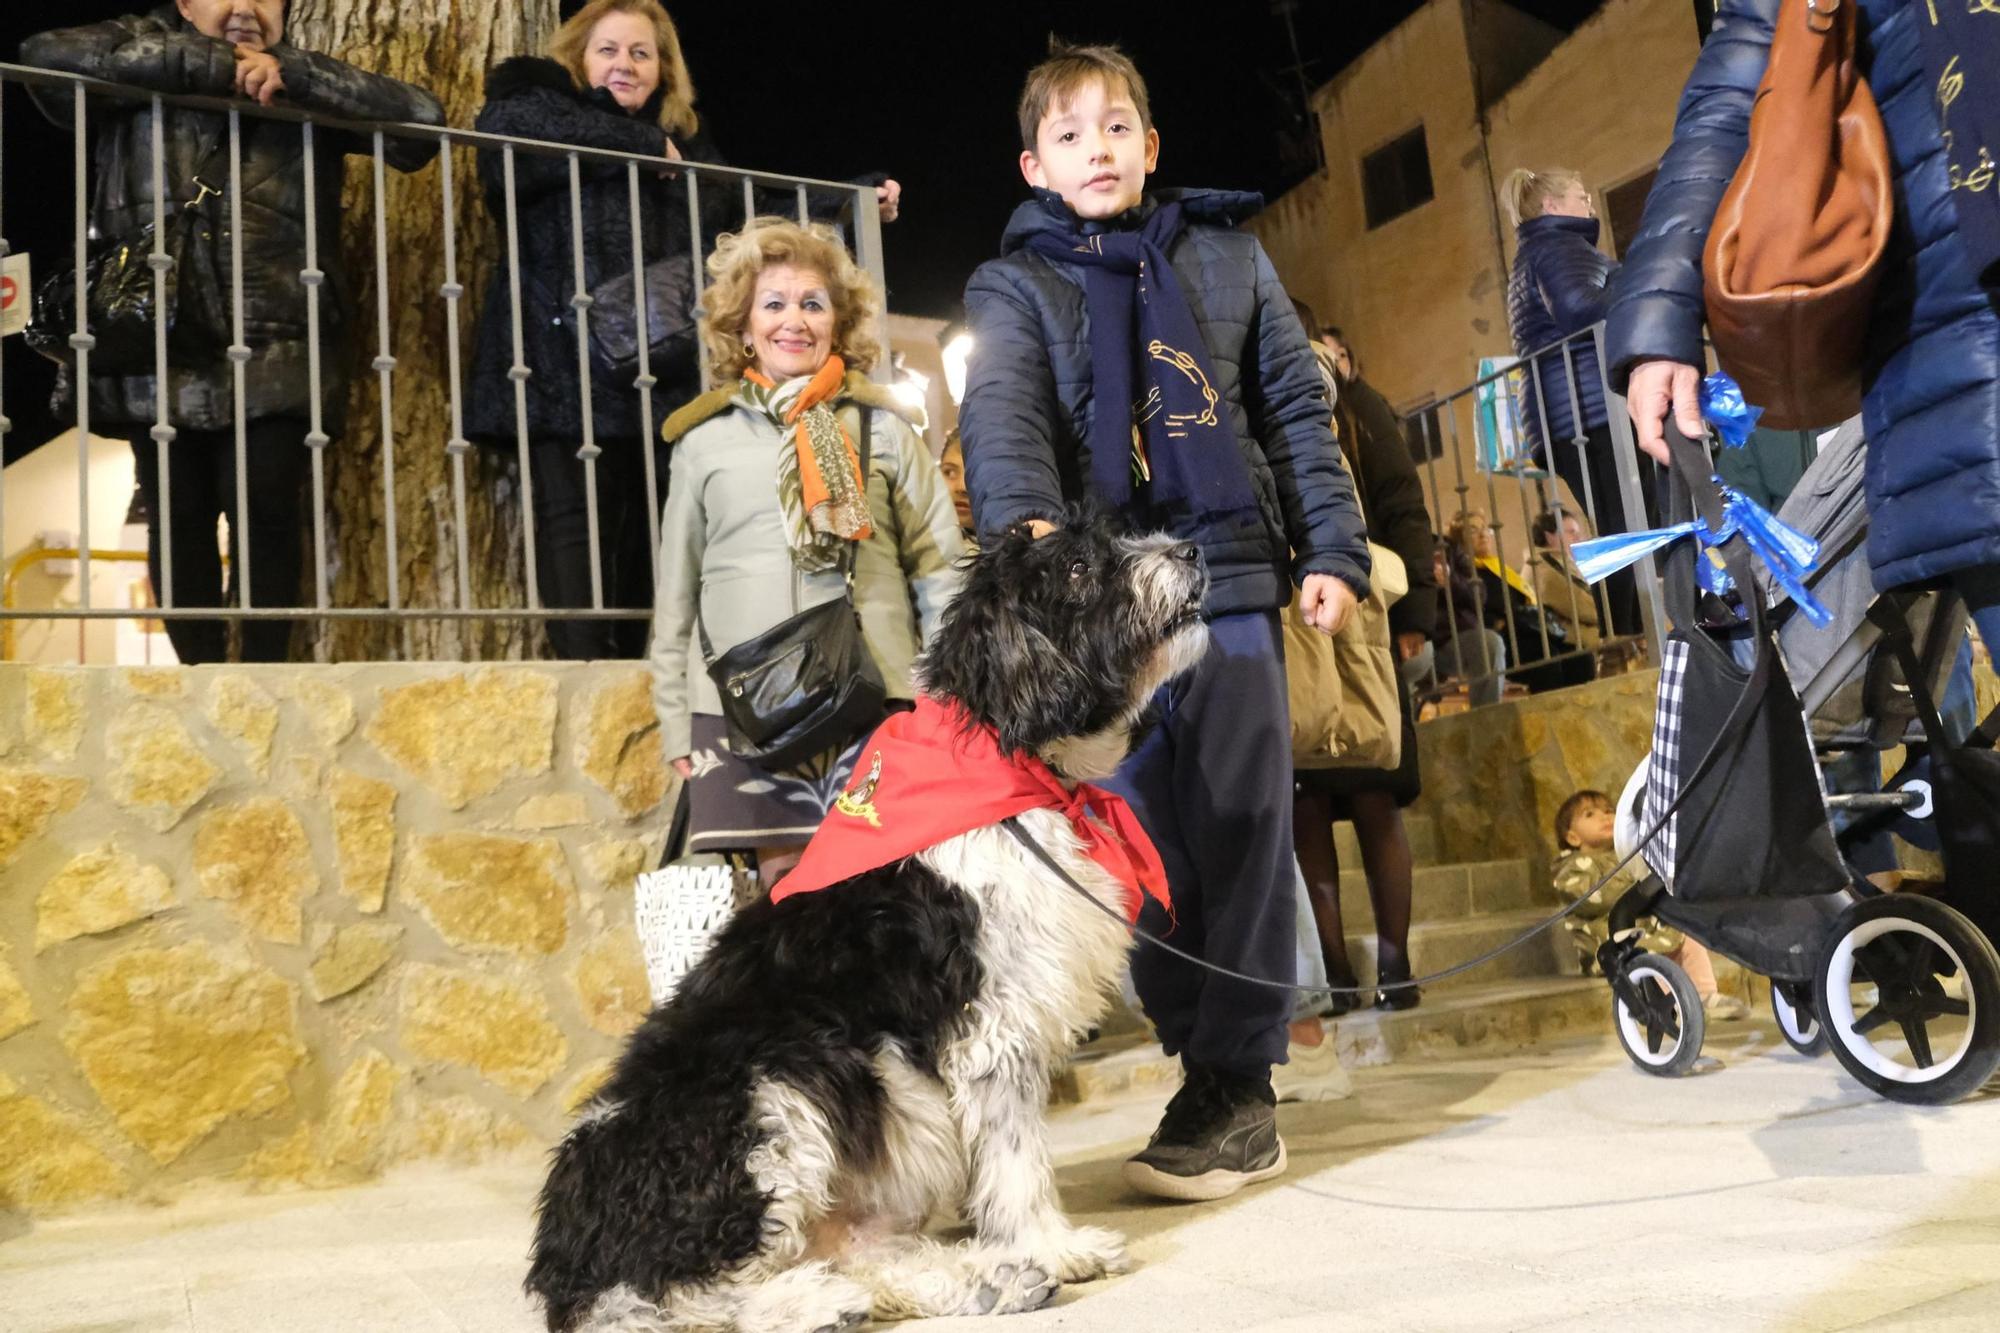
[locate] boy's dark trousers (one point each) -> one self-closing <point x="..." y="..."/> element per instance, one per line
<point x="1212" y="784"/>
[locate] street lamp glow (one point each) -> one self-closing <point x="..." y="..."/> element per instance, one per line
<point x="956" y="353"/>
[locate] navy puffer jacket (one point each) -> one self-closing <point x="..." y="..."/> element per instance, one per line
<point x="1932" y="364"/>
<point x="1025" y="421"/>
<point x="1557" y="288"/>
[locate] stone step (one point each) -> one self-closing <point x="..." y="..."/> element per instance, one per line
<point x="1422" y="831"/>
<point x="1437" y="945"/>
<point x="1489" y="1016"/>
<point x="1446" y="893"/>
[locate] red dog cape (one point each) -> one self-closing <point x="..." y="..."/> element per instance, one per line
<point x="932" y="774"/>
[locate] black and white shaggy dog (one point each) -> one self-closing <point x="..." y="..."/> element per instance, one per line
<point x="843" y="1064"/>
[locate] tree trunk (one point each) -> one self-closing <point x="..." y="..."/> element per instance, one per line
<point x="445" y="46"/>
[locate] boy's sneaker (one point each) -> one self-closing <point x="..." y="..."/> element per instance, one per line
<point x="1219" y="1133"/>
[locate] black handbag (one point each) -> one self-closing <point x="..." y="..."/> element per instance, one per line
<point x="123" y="299"/>
<point x="614" y="318"/>
<point x="807" y="684"/>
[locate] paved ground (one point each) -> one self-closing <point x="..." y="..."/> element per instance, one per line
<point x="1552" y="1190"/>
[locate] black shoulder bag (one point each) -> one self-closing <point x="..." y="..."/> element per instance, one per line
<point x="807" y="684"/>
<point x="123" y="304"/>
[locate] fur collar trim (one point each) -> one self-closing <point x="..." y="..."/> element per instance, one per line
<point x="520" y="74"/>
<point x="858" y="389"/>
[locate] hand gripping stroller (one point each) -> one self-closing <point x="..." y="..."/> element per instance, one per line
<point x="1902" y="986"/>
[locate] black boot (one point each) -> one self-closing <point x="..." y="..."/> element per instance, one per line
<point x="1401" y="997"/>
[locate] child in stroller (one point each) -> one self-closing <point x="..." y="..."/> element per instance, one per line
<point x="1734" y="819"/>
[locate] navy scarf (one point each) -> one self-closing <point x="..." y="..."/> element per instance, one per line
<point x="1961" y="45"/>
<point x="1152" y="372"/>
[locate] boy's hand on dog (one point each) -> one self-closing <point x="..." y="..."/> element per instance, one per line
<point x="1326" y="603"/>
<point x="683" y="766"/>
<point x="1040" y="528"/>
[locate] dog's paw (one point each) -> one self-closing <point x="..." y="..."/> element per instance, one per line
<point x="848" y="1322"/>
<point x="1082" y="1254"/>
<point x="1013" y="1289"/>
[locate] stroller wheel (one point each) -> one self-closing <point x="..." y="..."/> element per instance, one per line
<point x="1909" y="993"/>
<point x="1657" y="1014"/>
<point x="1798" y="1022"/>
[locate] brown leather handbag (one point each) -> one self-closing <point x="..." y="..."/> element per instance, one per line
<point x="1796" y="248"/>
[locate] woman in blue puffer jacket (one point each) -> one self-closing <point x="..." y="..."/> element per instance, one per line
<point x="1558" y="289"/>
<point x="1931" y="370"/>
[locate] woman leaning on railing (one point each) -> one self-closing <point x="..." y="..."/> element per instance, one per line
<point x="615" y="79"/>
<point x="224" y="48"/>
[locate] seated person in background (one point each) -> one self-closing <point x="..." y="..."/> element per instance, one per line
<point x="225" y="48"/>
<point x="1565" y="598"/>
<point x="1464" y="649"/>
<point x="1585" y="826"/>
<point x="1510" y="608"/>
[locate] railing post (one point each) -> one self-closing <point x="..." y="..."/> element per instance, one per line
<point x="82" y="342"/>
<point x="868" y="253"/>
<point x="316" y="437"/>
<point x="579" y="303"/>
<point x="703" y="369"/>
<point x="457" y="446"/>
<point x="645" y="379"/>
<point x="1580" y="441"/>
<point x="162" y="433"/>
<point x="385" y="368"/>
<point x="239" y="363"/>
<point x="1625" y="452"/>
<point x="519" y="373"/>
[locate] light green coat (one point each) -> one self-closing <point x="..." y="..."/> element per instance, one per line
<point x="723" y="549"/>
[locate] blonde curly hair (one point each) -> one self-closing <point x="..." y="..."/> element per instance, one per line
<point x="741" y="257"/>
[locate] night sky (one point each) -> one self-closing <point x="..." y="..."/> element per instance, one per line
<point x="834" y="91"/>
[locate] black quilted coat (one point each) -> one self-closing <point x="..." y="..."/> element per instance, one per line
<point x="1557" y="288"/>
<point x="164" y="53"/>
<point x="1026" y="416"/>
<point x="532" y="97"/>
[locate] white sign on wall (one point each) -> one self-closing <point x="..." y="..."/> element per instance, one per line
<point x="16" y="294"/>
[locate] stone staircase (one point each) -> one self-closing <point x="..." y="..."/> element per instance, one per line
<point x="1459" y="910"/>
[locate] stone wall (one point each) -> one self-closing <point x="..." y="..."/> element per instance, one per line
<point x="294" y="924"/>
<point x="1493" y="777"/>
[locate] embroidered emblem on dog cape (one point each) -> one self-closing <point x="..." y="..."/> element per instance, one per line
<point x="932" y="775"/>
<point x="859" y="802"/>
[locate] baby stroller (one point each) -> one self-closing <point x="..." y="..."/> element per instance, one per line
<point x="1904" y="987"/>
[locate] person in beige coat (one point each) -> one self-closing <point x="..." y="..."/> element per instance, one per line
<point x="1559" y="589"/>
<point x="764" y="497"/>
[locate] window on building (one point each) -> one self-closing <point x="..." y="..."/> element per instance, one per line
<point x="1622" y="206"/>
<point x="1396" y="178"/>
<point x="1423" y="431"/>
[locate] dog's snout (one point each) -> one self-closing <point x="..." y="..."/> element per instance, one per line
<point x="1187" y="552"/>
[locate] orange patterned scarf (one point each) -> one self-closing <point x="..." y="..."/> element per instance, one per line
<point x="820" y="486"/>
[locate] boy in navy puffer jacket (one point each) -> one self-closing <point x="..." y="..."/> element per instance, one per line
<point x="1136" y="350"/>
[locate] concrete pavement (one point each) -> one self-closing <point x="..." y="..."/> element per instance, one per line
<point x="1552" y="1189"/>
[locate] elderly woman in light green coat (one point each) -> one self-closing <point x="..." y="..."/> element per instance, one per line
<point x="763" y="500"/>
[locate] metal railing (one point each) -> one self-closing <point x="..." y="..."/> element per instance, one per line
<point x="1545" y="649"/>
<point x="82" y="95"/>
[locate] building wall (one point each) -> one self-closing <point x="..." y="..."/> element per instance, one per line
<point x="1559" y="116"/>
<point x="1422" y="292"/>
<point x="1424" y="296"/>
<point x="294" y="924"/>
